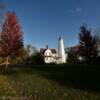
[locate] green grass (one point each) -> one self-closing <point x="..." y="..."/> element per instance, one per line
<point x="50" y="82"/>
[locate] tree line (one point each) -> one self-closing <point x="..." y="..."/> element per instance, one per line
<point x="88" y="49"/>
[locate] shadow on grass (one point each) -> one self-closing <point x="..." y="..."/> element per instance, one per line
<point x="83" y="77"/>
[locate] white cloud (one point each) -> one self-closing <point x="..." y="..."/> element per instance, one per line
<point x="76" y="10"/>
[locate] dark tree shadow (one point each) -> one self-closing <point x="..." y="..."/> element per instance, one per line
<point x="85" y="77"/>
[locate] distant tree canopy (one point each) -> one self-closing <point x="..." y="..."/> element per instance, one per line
<point x="72" y="56"/>
<point x="38" y="58"/>
<point x="32" y="50"/>
<point x="87" y="44"/>
<point x="11" y="36"/>
<point x="34" y="56"/>
<point x="72" y="53"/>
<point x="97" y="36"/>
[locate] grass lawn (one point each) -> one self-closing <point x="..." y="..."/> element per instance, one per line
<point x="50" y="82"/>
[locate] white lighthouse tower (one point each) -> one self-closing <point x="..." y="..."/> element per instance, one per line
<point x="61" y="51"/>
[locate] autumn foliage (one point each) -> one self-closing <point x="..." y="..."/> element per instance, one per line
<point x="11" y="36"/>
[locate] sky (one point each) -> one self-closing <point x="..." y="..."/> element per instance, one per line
<point x="44" y="21"/>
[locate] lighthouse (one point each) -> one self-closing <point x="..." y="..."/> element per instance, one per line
<point x="61" y="50"/>
<point x="53" y="56"/>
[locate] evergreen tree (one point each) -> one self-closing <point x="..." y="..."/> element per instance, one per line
<point x="38" y="58"/>
<point x="87" y="44"/>
<point x="11" y="37"/>
<point x="72" y="53"/>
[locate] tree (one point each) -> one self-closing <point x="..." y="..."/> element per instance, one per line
<point x="32" y="50"/>
<point x="38" y="58"/>
<point x="72" y="55"/>
<point x="87" y="44"/>
<point x="34" y="56"/>
<point x="11" y="37"/>
<point x="21" y="57"/>
<point x="97" y="36"/>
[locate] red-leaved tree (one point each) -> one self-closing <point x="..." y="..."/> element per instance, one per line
<point x="11" y="37"/>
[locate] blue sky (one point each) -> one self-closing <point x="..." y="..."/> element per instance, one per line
<point x="43" y="21"/>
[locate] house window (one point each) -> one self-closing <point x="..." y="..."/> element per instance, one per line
<point x="46" y="53"/>
<point x="46" y="59"/>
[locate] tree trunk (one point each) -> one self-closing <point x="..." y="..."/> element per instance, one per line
<point x="7" y="61"/>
